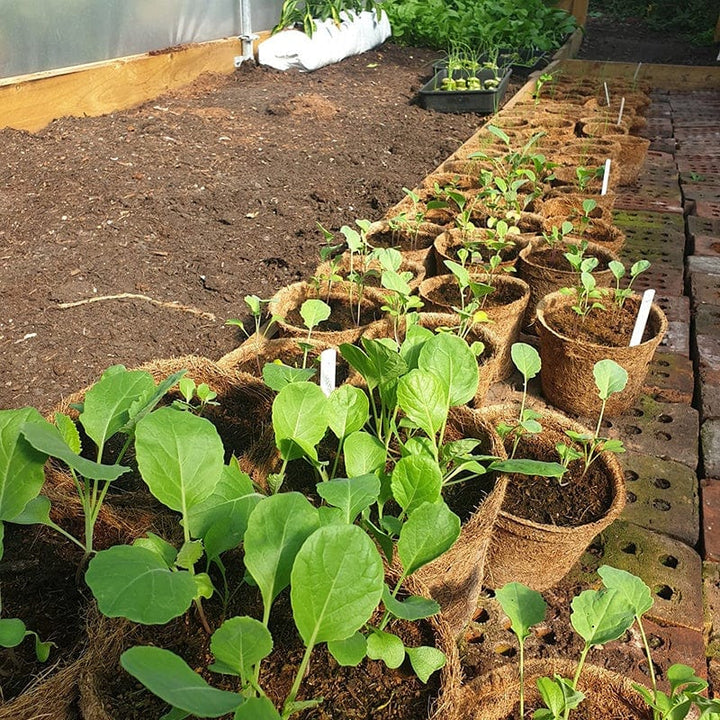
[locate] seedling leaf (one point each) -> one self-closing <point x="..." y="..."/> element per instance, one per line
<point x="412" y="608"/>
<point x="416" y="479"/>
<point x="600" y="616"/>
<point x="172" y="680"/>
<point x="609" y="378"/>
<point x="348" y="410"/>
<point x="334" y="592"/>
<point x="257" y="708"/>
<point x="135" y="583"/>
<point x="277" y="528"/>
<point x="314" y="311"/>
<point x="299" y="416"/>
<point x="421" y="395"/>
<point x="349" y="652"/>
<point x="526" y="359"/>
<point x="238" y="644"/>
<point x="425" y="661"/>
<point x="632" y="588"/>
<point x="524" y="607"/>
<point x="364" y="454"/>
<point x="351" y="495"/>
<point x="451" y="360"/>
<point x="387" y="647"/>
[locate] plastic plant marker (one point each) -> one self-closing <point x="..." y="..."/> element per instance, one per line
<point x="620" y="114"/>
<point x="637" y="72"/>
<point x="607" y="94"/>
<point x="642" y="317"/>
<point x="606" y="178"/>
<point x="328" y="365"/>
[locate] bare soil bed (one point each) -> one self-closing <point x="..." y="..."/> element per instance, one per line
<point x="193" y="201"/>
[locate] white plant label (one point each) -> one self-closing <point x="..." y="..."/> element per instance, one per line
<point x="607" y="94"/>
<point x="606" y="178"/>
<point x="328" y="363"/>
<point x="622" y="107"/>
<point x="642" y="317"/>
<point x="637" y="71"/>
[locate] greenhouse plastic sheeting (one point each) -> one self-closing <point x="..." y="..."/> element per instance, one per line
<point x="38" y="35"/>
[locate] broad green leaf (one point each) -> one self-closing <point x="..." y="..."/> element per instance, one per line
<point x="107" y="404"/>
<point x="135" y="583"/>
<point x="524" y="607"/>
<point x="257" y="708"/>
<point x="160" y="547"/>
<point x="276" y="375"/>
<point x="68" y="431"/>
<point x="423" y="399"/>
<point x="415" y="337"/>
<point x="221" y="519"/>
<point x="600" y="616"/>
<point x="632" y="588"/>
<point x="12" y="632"/>
<point x="428" y="533"/>
<point x="175" y="714"/>
<point x="331" y="516"/>
<point x="204" y="587"/>
<point x="336" y="584"/>
<point x="360" y="362"/>
<point x="277" y="528"/>
<point x="349" y="652"/>
<point x="451" y="360"/>
<point x="47" y="439"/>
<point x="387" y="647"/>
<point x="412" y="608"/>
<point x="609" y="378"/>
<point x="553" y="697"/>
<point x="364" y="454"/>
<point x="683" y="676"/>
<point x="314" y="311"/>
<point x="348" y="410"/>
<point x="425" y="661"/>
<point x="238" y="644"/>
<point x="300" y="420"/>
<point x="351" y="495"/>
<point x="526" y="359"/>
<point x="416" y="479"/>
<point x="36" y="512"/>
<point x="172" y="680"/>
<point x="180" y="457"/>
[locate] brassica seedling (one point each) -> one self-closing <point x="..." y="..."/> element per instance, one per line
<point x="618" y="271"/>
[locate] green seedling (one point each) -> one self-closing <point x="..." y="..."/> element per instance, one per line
<point x="260" y="333"/>
<point x="400" y="299"/>
<point x="587" y="294"/>
<point x="557" y="233"/>
<point x="525" y="608"/>
<point x="544" y="78"/>
<point x="585" y="176"/>
<point x="191" y="391"/>
<point x="113" y="406"/>
<point x="610" y="378"/>
<point x="181" y="460"/>
<point x="313" y="312"/>
<point x="618" y="271"/>
<point x="13" y="631"/>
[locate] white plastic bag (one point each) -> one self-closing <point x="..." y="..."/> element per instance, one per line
<point x="329" y="43"/>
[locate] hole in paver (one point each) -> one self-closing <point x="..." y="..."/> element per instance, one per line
<point x="655" y="642"/>
<point x="665" y="419"/>
<point x="607" y="424"/>
<point x="482" y="616"/>
<point x="664" y="591"/>
<point x="636" y="412"/>
<point x="631" y="497"/>
<point x="659" y="373"/>
<point x="643" y="667"/>
<point x="490" y="592"/>
<point x="633" y="430"/>
<point x="661" y="483"/>
<point x="630" y="548"/>
<point x="476" y="639"/>
<point x="662" y="505"/>
<point x="663" y="436"/>
<point x="663" y="363"/>
<point x="546" y="636"/>
<point x="505" y="650"/>
<point x="631" y="475"/>
<point x="669" y="561"/>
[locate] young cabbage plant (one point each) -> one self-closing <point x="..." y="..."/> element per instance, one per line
<point x="112" y="406"/>
<point x="618" y="271"/>
<point x="181" y="460"/>
<point x="190" y="391"/>
<point x="610" y="378"/>
<point x="260" y="332"/>
<point x="525" y="608"/>
<point x="400" y="299"/>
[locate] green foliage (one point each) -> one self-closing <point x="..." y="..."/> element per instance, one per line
<point x="484" y="24"/>
<point x="304" y="13"/>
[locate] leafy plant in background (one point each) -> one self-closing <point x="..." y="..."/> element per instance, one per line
<point x="305" y="13"/>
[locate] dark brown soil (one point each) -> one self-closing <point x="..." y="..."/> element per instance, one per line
<point x="193" y="201"/>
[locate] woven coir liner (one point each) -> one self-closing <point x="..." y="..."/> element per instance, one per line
<point x="108" y="693"/>
<point x="350" y="314"/>
<point x="597" y="127"/>
<point x="631" y="157"/>
<point x="495" y="696"/>
<point x="252" y="358"/>
<point x="557" y="210"/>
<point x="505" y="307"/>
<point x="540" y="554"/>
<point x="606" y="201"/>
<point x="244" y="405"/>
<point x="455" y="579"/>
<point x="568" y="357"/>
<point x="545" y="269"/>
<point x="448" y="243"/>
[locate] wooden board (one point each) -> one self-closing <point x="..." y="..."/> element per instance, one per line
<point x="30" y="102"/>
<point x="667" y="77"/>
